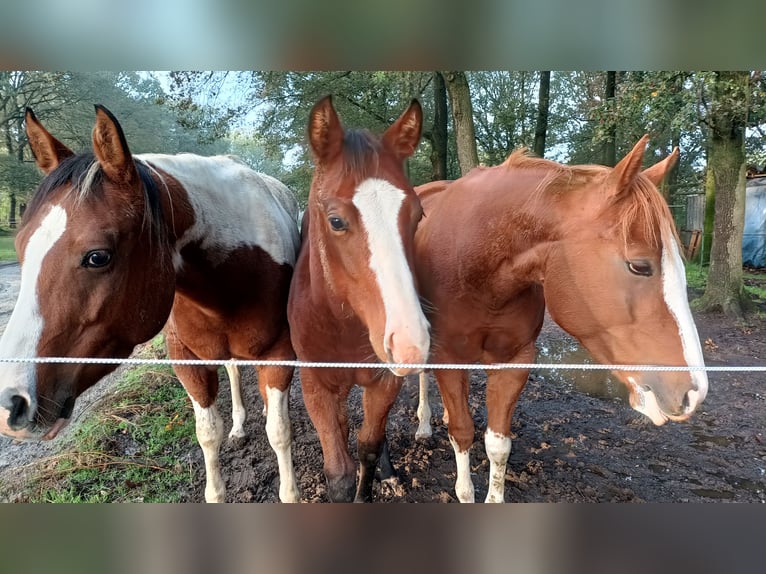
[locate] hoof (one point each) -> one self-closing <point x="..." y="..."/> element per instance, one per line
<point x="236" y="441"/>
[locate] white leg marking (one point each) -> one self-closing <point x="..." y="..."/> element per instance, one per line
<point x="379" y="204"/>
<point x="209" y="426"/>
<point x="463" y="484"/>
<point x="280" y="438"/>
<point x="498" y="448"/>
<point x="238" y="412"/>
<point x="22" y="333"/>
<point x="674" y="290"/>
<point x="424" y="409"/>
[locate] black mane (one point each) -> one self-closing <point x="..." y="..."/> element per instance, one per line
<point x="73" y="172"/>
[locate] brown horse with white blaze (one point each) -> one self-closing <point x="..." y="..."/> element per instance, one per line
<point x="595" y="245"/>
<point x="113" y="247"/>
<point x="353" y="297"/>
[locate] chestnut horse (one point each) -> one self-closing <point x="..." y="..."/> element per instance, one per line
<point x="596" y="246"/>
<point x="353" y="297"/>
<point x="113" y="247"/>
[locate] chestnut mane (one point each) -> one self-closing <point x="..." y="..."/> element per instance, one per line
<point x="639" y="204"/>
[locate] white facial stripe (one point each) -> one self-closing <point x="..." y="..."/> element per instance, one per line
<point x="674" y="291"/>
<point x="379" y="204"/>
<point x="25" y="326"/>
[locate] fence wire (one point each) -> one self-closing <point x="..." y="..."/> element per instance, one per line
<point x="383" y="366"/>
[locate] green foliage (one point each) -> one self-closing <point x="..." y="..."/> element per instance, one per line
<point x="696" y="276"/>
<point x="7" y="249"/>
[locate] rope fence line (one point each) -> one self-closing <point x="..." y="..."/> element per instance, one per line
<point x="424" y="366"/>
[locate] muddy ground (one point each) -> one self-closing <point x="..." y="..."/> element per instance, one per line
<point x="574" y="438"/>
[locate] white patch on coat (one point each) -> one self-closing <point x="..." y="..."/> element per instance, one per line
<point x="22" y="333"/>
<point x="463" y="483"/>
<point x="674" y="291"/>
<point x="209" y="427"/>
<point x="379" y="203"/>
<point x="498" y="448"/>
<point x="280" y="438"/>
<point x="234" y="207"/>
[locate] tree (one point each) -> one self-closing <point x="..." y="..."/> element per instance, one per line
<point x="543" y="105"/>
<point x="727" y="120"/>
<point x="438" y="133"/>
<point x="610" y="142"/>
<point x="459" y="94"/>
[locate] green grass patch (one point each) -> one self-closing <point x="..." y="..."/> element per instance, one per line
<point x="696" y="275"/>
<point x="128" y="448"/>
<point x="755" y="285"/>
<point x="7" y="250"/>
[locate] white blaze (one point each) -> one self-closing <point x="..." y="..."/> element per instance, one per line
<point x="379" y="204"/>
<point x="25" y="326"/>
<point x="674" y="291"/>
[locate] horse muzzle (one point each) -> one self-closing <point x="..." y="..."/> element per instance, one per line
<point x="21" y="419"/>
<point x="648" y="398"/>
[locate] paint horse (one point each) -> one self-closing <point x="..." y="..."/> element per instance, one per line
<point x="596" y="246"/>
<point x="113" y="247"/>
<point x="353" y="296"/>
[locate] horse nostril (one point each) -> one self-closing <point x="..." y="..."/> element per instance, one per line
<point x="17" y="419"/>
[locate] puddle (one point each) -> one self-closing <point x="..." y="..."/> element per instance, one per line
<point x="601" y="384"/>
<point x="703" y="441"/>
<point x="712" y="493"/>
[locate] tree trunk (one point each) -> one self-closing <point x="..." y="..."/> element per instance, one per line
<point x="610" y="145"/>
<point x="439" y="132"/>
<point x="462" y="116"/>
<point x="707" y="227"/>
<point x="543" y="105"/>
<point x="725" y="291"/>
<point x="12" y="210"/>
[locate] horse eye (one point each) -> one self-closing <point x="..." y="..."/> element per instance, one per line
<point x="642" y="268"/>
<point x="337" y="223"/>
<point x="97" y="258"/>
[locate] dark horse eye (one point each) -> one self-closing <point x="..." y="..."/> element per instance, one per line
<point x="97" y="258"/>
<point x="337" y="223"/>
<point x="642" y="268"/>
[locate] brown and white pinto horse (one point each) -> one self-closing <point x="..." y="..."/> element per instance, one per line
<point x="353" y="297"/>
<point x="596" y="245"/>
<point x="114" y="247"/>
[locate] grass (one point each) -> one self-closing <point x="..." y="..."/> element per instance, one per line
<point x="127" y="450"/>
<point x="696" y="275"/>
<point x="755" y="283"/>
<point x="7" y="250"/>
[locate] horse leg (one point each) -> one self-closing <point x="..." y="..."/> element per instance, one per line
<point x="424" y="409"/>
<point x="503" y="390"/>
<point x="453" y="386"/>
<point x="201" y="384"/>
<point x="238" y="412"/>
<point x="329" y="414"/>
<point x="377" y="399"/>
<point x="274" y="385"/>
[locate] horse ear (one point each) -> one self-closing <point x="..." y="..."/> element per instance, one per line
<point x="659" y="170"/>
<point x="325" y="131"/>
<point x="404" y="134"/>
<point x="48" y="151"/>
<point x="629" y="167"/>
<point x="111" y="148"/>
